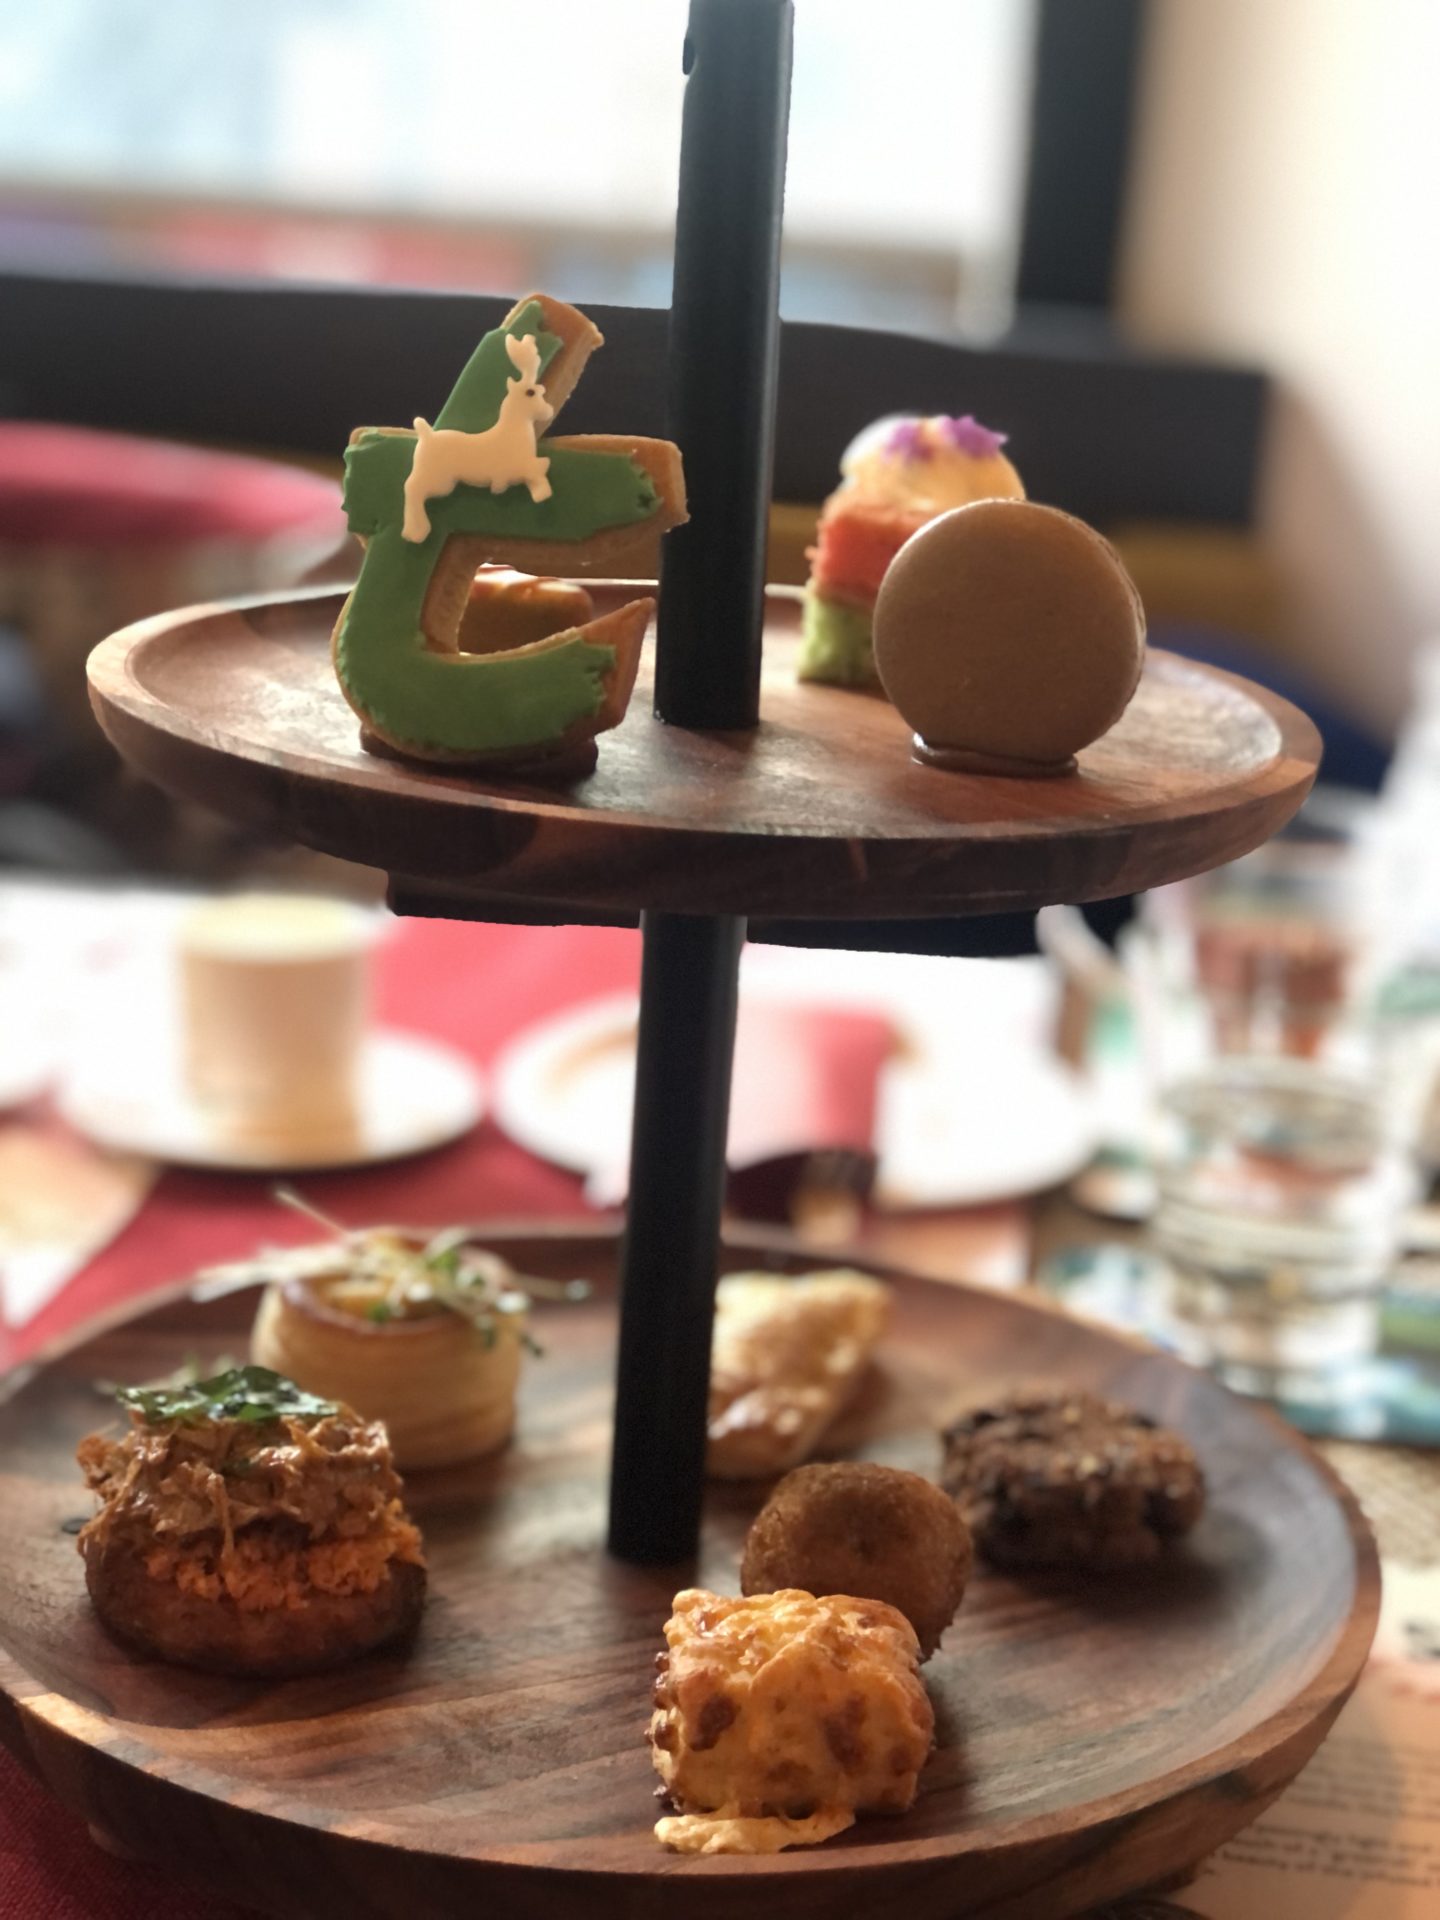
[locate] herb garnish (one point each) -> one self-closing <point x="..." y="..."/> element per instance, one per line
<point x="448" y="1270"/>
<point x="252" y="1394"/>
<point x="191" y="1369"/>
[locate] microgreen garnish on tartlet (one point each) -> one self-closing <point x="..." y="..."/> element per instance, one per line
<point x="383" y="1275"/>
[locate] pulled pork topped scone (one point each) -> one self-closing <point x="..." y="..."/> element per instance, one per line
<point x="780" y="1717"/>
<point x="250" y="1528"/>
<point x="787" y="1356"/>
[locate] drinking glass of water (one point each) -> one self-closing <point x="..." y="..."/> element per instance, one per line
<point x="1283" y="1119"/>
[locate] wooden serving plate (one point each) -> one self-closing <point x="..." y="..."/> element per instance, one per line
<point x="819" y="813"/>
<point x="1091" y="1741"/>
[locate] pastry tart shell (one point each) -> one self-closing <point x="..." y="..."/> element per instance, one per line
<point x="443" y="1393"/>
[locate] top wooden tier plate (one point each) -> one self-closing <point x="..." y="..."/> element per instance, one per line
<point x="818" y="814"/>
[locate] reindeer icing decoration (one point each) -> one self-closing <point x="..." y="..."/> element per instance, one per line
<point x="502" y="456"/>
<point x="434" y="504"/>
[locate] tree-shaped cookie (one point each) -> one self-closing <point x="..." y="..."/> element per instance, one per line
<point x="434" y="503"/>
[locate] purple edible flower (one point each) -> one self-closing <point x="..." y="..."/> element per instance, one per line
<point x="906" y="441"/>
<point x="967" y="435"/>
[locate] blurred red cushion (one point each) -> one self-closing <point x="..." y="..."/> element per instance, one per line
<point x="75" y="487"/>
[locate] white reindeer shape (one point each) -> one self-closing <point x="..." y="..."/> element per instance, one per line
<point x="503" y="456"/>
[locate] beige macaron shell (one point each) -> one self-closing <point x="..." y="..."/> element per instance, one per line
<point x="1009" y="628"/>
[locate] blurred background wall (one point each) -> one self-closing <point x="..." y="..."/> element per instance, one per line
<point x="1284" y="210"/>
<point x="387" y="142"/>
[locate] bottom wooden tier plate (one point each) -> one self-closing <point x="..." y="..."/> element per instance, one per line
<point x="1091" y="1741"/>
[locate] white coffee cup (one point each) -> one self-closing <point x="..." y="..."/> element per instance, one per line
<point x="275" y="1002"/>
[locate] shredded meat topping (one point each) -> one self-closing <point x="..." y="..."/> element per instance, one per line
<point x="332" y="1477"/>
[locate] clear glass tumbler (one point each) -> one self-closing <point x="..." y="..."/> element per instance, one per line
<point x="1282" y="1120"/>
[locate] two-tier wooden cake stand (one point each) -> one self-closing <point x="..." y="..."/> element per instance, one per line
<point x="1087" y="1746"/>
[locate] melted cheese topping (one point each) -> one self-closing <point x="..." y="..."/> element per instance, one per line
<point x="727" y="1832"/>
<point x="780" y="1716"/>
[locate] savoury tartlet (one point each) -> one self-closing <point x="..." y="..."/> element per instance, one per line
<point x="426" y="1335"/>
<point x="248" y="1527"/>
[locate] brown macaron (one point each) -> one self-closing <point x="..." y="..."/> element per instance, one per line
<point x="1009" y="636"/>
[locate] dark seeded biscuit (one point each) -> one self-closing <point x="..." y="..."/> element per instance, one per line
<point x="1045" y="1477"/>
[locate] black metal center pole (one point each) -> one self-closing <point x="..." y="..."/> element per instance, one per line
<point x="724" y="335"/>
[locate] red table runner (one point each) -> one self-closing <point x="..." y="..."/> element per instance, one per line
<point x="472" y="986"/>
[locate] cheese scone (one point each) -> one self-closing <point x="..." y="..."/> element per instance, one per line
<point x="780" y="1717"/>
<point x="786" y="1358"/>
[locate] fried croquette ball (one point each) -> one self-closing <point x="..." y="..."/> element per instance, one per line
<point x="877" y="1532"/>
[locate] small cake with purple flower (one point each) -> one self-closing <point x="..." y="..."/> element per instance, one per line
<point x="898" y="475"/>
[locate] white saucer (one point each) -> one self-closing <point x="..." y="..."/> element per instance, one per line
<point x="25" y="1071"/>
<point x="413" y="1095"/>
<point x="27" y="1037"/>
<point x="963" y="1118"/>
